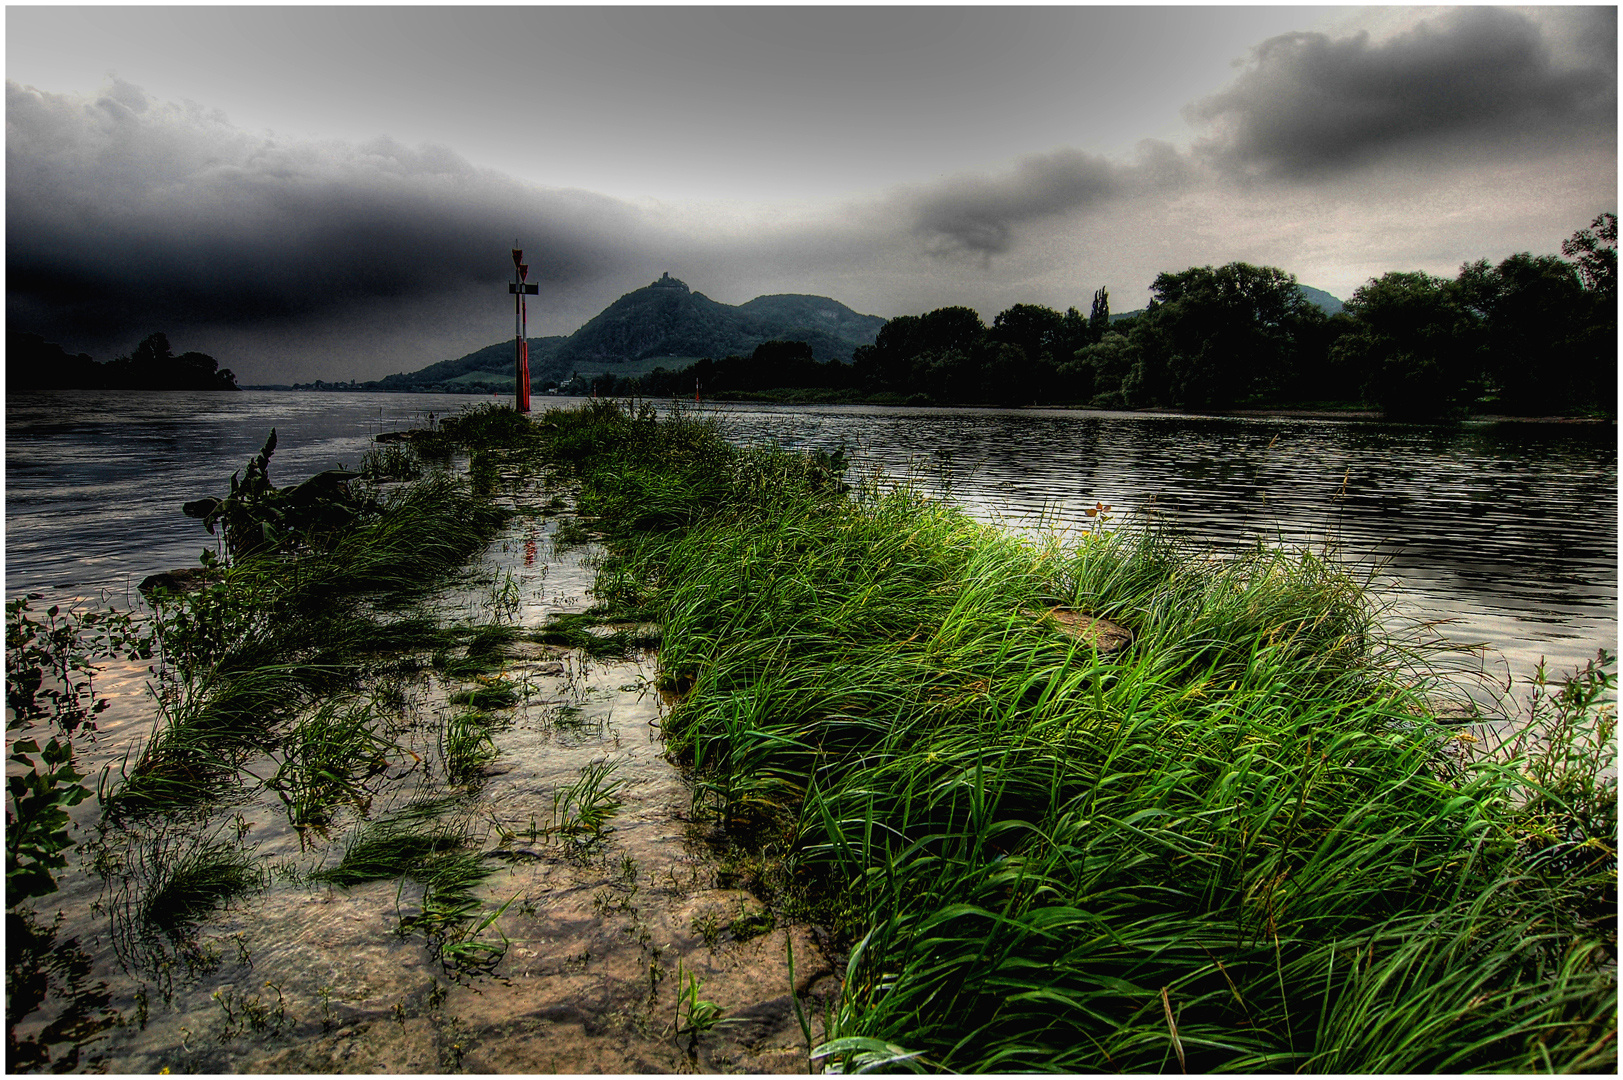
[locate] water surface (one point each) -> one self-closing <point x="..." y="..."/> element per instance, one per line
<point x="1507" y="533"/>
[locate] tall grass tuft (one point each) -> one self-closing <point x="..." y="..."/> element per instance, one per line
<point x="1242" y="843"/>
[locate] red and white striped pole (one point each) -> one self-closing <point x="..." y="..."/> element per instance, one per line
<point x="521" y="329"/>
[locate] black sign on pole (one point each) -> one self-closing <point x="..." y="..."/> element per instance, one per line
<point x="525" y="288"/>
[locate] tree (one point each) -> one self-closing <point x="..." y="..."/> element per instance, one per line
<point x="1099" y="318"/>
<point x="1031" y="328"/>
<point x="1595" y="250"/>
<point x="1414" y="342"/>
<point x="911" y="347"/>
<point x="1528" y="309"/>
<point x="1096" y="372"/>
<point x="1213" y="337"/>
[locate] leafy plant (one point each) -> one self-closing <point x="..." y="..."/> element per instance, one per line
<point x="694" y="1015"/>
<point x="51" y="663"/>
<point x="37" y="823"/>
<point x="257" y="517"/>
<point x="52" y="658"/>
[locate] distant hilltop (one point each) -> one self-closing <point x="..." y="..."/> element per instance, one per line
<point x="665" y="323"/>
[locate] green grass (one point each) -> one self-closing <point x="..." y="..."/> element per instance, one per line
<point x="1242" y="844"/>
<point x="497" y="695"/>
<point x="328" y="759"/>
<point x="186" y="890"/>
<point x="427" y="843"/>
<point x="466" y="744"/>
<point x="243" y="657"/>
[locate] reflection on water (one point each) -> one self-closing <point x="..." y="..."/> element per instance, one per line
<point x="94" y="481"/>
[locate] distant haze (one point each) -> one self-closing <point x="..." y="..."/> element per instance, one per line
<point x="308" y="192"/>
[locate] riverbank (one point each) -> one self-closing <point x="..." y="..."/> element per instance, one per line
<point x="342" y="803"/>
<point x="1245" y="842"/>
<point x="1239" y="841"/>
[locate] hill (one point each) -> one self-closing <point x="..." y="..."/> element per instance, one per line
<point x="663" y="324"/>
<point x="1325" y="302"/>
<point x="1318" y="297"/>
<point x="485" y="370"/>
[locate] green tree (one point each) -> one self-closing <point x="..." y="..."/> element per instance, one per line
<point x="1415" y="344"/>
<point x="1099" y="319"/>
<point x="1215" y="337"/>
<point x="1096" y="372"/>
<point x="914" y="349"/>
<point x="1595" y="251"/>
<point x="1528" y="310"/>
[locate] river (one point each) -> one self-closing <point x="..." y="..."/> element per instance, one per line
<point x="1506" y="534"/>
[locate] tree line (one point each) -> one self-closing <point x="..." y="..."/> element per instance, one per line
<point x="32" y="363"/>
<point x="1534" y="335"/>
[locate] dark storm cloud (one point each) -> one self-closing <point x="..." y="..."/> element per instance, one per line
<point x="1306" y="103"/>
<point x="979" y="215"/>
<point x="125" y="216"/>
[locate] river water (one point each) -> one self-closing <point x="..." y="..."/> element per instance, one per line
<point x="1506" y="533"/>
<point x="1510" y="532"/>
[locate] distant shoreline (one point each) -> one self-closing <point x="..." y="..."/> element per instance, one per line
<point x="1359" y="414"/>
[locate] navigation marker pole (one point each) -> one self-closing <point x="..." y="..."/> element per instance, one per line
<point x="521" y="329"/>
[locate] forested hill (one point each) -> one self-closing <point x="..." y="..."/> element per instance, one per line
<point x="668" y="320"/>
<point x="664" y="323"/>
<point x="483" y="371"/>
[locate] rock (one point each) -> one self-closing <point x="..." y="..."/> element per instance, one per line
<point x="184" y="580"/>
<point x="530" y="650"/>
<point x="1105" y="636"/>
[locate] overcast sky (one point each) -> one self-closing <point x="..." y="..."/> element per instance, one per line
<point x="332" y="192"/>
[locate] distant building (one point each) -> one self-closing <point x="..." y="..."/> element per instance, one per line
<point x="667" y="282"/>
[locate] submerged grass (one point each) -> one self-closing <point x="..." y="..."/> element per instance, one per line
<point x="197" y="882"/>
<point x="427" y="843"/>
<point x="1243" y="843"/>
<point x="282" y="630"/>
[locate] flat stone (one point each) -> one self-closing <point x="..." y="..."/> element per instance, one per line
<point x="1103" y="634"/>
<point x="531" y="650"/>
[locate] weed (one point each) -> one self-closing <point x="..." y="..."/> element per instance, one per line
<point x="391" y="462"/>
<point x="708" y="926"/>
<point x="184" y="891"/>
<point x="584" y="808"/>
<point x="694" y="1015"/>
<point x="466" y="744"/>
<point x="328" y="758"/>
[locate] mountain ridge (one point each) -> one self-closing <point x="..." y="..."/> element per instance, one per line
<point x="665" y="320"/>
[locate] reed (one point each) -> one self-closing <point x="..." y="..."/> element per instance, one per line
<point x="1242" y="843"/>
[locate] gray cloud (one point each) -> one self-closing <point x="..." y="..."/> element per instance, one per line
<point x="126" y="216"/>
<point x="1306" y="104"/>
<point x="979" y="215"/>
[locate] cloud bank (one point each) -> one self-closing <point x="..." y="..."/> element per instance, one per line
<point x="293" y="259"/>
<point x="979" y="215"/>
<point x="122" y="214"/>
<point x="1306" y="105"/>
